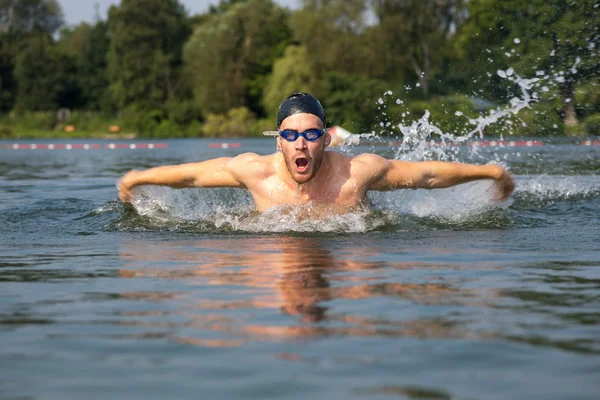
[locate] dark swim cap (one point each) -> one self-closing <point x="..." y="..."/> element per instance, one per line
<point x="298" y="103"/>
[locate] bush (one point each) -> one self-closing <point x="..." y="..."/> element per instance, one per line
<point x="91" y="121"/>
<point x="262" y="125"/>
<point x="541" y="119"/>
<point x="35" y="120"/>
<point x="194" y="129"/>
<point x="237" y="122"/>
<point x="592" y="124"/>
<point x="167" y="128"/>
<point x="575" y="130"/>
<point x="5" y="131"/>
<point x="353" y="101"/>
<point x="142" y="122"/>
<point x="182" y="112"/>
<point x="587" y="98"/>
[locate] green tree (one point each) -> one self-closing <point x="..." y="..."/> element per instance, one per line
<point x="92" y="68"/>
<point x="415" y="32"/>
<point x="230" y="57"/>
<point x="8" y="84"/>
<point x="291" y="73"/>
<point x="333" y="34"/>
<point x="44" y="76"/>
<point x="18" y="20"/>
<point x="223" y="6"/>
<point x="30" y="15"/>
<point x="72" y="39"/>
<point x="145" y="54"/>
<point x="559" y="38"/>
<point x="353" y="101"/>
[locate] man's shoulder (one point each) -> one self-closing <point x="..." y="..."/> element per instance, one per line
<point x="360" y="161"/>
<point x="251" y="163"/>
<point x="369" y="160"/>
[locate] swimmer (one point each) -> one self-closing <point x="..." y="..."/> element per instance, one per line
<point x="302" y="172"/>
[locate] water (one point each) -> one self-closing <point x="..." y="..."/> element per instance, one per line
<point x="437" y="295"/>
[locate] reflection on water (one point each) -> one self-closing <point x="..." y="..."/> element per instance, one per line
<point x="235" y="291"/>
<point x="302" y="279"/>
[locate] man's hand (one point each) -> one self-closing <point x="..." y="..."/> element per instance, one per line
<point x="125" y="185"/>
<point x="504" y="184"/>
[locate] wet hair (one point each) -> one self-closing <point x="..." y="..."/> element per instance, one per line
<point x="298" y="103"/>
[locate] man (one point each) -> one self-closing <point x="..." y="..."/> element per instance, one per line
<point x="302" y="172"/>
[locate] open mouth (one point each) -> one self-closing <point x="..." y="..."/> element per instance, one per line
<point x="301" y="164"/>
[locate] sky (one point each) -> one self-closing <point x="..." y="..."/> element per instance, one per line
<point x="77" y="11"/>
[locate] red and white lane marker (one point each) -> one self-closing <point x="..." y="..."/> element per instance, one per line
<point x="590" y="143"/>
<point x="133" y="146"/>
<point x="505" y="143"/>
<point x="224" y="145"/>
<point x="83" y="146"/>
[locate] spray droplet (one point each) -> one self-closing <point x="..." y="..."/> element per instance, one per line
<point x="380" y="100"/>
<point x="398" y="101"/>
<point x="517" y="40"/>
<point x="458" y="113"/>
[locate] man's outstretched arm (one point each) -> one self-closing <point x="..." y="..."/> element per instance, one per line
<point x="439" y="174"/>
<point x="218" y="172"/>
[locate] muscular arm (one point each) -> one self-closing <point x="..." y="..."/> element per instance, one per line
<point x="218" y="172"/>
<point x="438" y="174"/>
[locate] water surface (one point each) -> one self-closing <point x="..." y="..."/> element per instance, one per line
<point x="437" y="295"/>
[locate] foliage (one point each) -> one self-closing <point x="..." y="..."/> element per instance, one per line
<point x="25" y="16"/>
<point x="416" y="30"/>
<point x="587" y="98"/>
<point x="92" y="69"/>
<point x="592" y="124"/>
<point x="8" y="84"/>
<point x="230" y="56"/>
<point x="237" y="122"/>
<point x="291" y="73"/>
<point x="144" y="58"/>
<point x="560" y="38"/>
<point x="331" y="32"/>
<point x="72" y="39"/>
<point x="353" y="101"/>
<point x="45" y="76"/>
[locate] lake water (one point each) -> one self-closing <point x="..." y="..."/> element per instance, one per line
<point x="430" y="295"/>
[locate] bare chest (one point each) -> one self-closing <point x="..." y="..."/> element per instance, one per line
<point x="272" y="192"/>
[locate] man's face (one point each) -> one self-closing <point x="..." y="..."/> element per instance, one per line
<point x="302" y="157"/>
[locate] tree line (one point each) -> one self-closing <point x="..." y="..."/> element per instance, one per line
<point x="154" y="69"/>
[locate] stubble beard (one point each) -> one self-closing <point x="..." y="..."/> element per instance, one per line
<point x="314" y="165"/>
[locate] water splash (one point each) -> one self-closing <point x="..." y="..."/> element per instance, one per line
<point x="422" y="139"/>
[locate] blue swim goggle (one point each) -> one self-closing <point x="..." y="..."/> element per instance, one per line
<point x="310" y="135"/>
